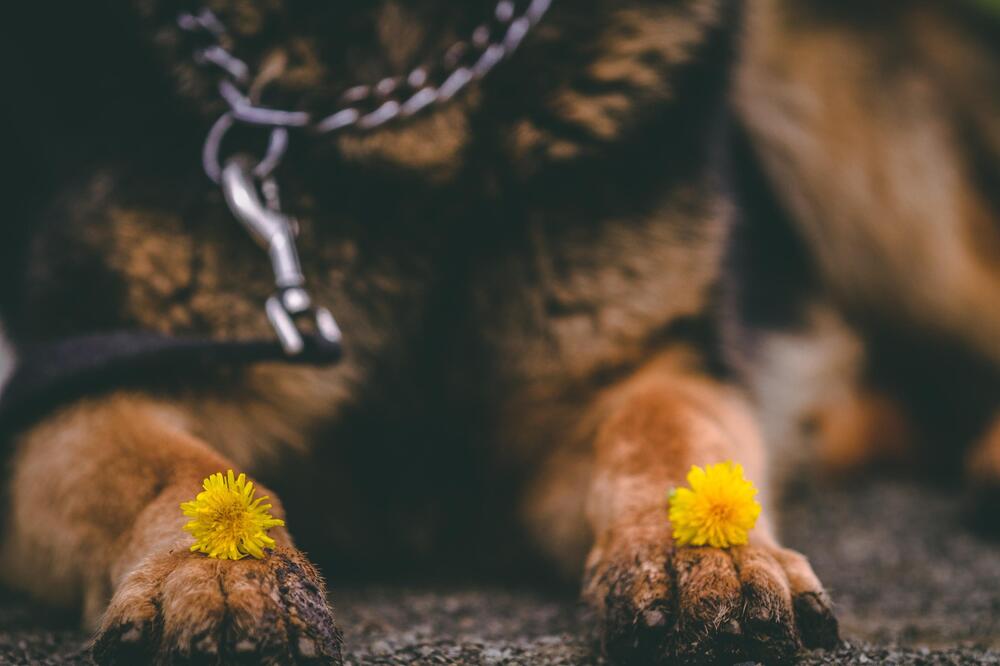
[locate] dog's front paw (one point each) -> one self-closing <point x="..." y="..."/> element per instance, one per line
<point x="982" y="473"/>
<point x="187" y="608"/>
<point x="658" y="604"/>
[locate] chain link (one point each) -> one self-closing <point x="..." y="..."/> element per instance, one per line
<point x="249" y="187"/>
<point x="396" y="97"/>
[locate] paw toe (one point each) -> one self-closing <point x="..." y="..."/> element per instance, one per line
<point x="708" y="627"/>
<point x="816" y="622"/>
<point x="632" y="594"/>
<point x="312" y="629"/>
<point x="768" y="616"/>
<point x="127" y="643"/>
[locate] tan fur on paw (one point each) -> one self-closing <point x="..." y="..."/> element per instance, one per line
<point x="185" y="607"/>
<point x="704" y="605"/>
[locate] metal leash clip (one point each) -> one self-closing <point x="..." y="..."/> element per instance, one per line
<point x="365" y="107"/>
<point x="276" y="233"/>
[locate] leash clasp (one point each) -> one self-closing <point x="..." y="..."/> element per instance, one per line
<point x="276" y="232"/>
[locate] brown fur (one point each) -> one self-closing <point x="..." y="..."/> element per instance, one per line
<point x="526" y="281"/>
<point x="877" y="131"/>
<point x="869" y="158"/>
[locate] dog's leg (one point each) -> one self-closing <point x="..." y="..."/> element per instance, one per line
<point x="861" y="429"/>
<point x="95" y="517"/>
<point x="982" y="473"/>
<point x="661" y="604"/>
<point x="698" y="604"/>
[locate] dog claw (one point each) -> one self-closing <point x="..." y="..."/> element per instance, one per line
<point x="731" y="628"/>
<point x="132" y="635"/>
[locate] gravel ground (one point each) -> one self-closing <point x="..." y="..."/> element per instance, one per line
<point x="913" y="586"/>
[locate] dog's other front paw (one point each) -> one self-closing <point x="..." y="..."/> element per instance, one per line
<point x="660" y="605"/>
<point x="187" y="608"/>
<point x="982" y="473"/>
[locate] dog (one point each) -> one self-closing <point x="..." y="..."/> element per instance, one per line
<point x="874" y="205"/>
<point x="550" y="295"/>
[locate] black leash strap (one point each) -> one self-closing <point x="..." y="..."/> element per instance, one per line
<point x="51" y="374"/>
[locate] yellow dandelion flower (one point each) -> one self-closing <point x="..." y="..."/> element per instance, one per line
<point x="718" y="510"/>
<point x="227" y="522"/>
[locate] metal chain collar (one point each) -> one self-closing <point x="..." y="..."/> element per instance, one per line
<point x="248" y="185"/>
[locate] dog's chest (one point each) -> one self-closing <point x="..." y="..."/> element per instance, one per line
<point x="522" y="317"/>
